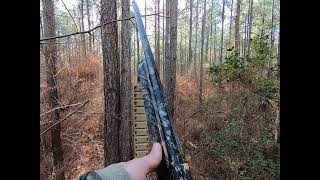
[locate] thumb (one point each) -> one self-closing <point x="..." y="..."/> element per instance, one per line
<point x="152" y="160"/>
<point x="139" y="167"/>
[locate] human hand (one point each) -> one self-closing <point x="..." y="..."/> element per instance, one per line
<point x="135" y="169"/>
<point x="138" y="168"/>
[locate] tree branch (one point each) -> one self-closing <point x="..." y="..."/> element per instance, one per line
<point x="84" y="103"/>
<point x="88" y="31"/>
<point x="62" y="107"/>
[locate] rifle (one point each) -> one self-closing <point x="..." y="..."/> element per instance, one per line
<point x="159" y="121"/>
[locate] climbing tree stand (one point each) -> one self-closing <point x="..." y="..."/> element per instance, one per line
<point x="141" y="140"/>
<point x="140" y="128"/>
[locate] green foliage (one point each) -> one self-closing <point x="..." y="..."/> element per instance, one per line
<point x="250" y="70"/>
<point x="243" y="142"/>
<point x="260" y="50"/>
<point x="267" y="87"/>
<point x="230" y="70"/>
<point x="234" y="148"/>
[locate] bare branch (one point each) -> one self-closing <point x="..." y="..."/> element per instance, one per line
<point x="84" y="103"/>
<point x="88" y="31"/>
<point x="62" y="107"/>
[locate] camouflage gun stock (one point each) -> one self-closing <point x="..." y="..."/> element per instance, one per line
<point x="158" y="119"/>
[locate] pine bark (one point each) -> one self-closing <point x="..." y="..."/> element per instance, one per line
<point x="222" y="24"/>
<point x="278" y="59"/>
<point x="89" y="23"/>
<point x="50" y="53"/>
<point x="180" y="54"/>
<point x="167" y="44"/>
<point x="109" y="38"/>
<point x="210" y="36"/>
<point x="250" y="30"/>
<point x="190" y="35"/>
<point x="230" y="26"/>
<point x="83" y="37"/>
<point x="201" y="51"/>
<point x="170" y="69"/>
<point x="156" y="34"/>
<point x="125" y="134"/>
<point x="196" y="40"/>
<point x="214" y="42"/>
<point x="271" y="36"/>
<point x="237" y="28"/>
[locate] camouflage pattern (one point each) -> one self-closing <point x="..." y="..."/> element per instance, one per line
<point x="159" y="121"/>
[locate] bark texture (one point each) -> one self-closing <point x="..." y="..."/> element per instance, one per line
<point x="109" y="38"/>
<point x="237" y="28"/>
<point x="125" y="134"/>
<point x="170" y="69"/>
<point x="50" y="53"/>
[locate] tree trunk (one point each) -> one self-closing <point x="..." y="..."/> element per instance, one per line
<point x="278" y="63"/>
<point x="186" y="53"/>
<point x="250" y="29"/>
<point x="170" y="75"/>
<point x="93" y="36"/>
<point x="163" y="44"/>
<point x="190" y="35"/>
<point x="245" y="36"/>
<point x="83" y="37"/>
<point x="50" y="53"/>
<point x="180" y="54"/>
<point x="222" y="24"/>
<point x="41" y="28"/>
<point x="167" y="44"/>
<point x="125" y="134"/>
<point x="109" y="38"/>
<point x="271" y="37"/>
<point x="215" y="41"/>
<point x="158" y="36"/>
<point x="88" y="21"/>
<point x="69" y="49"/>
<point x="196" y="40"/>
<point x="207" y="35"/>
<point x="237" y="28"/>
<point x="201" y="51"/>
<point x="210" y="35"/>
<point x="230" y="27"/>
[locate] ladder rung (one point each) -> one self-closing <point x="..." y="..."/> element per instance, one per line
<point x="140" y="118"/>
<point x="141" y="147"/>
<point x="141" y="132"/>
<point x="139" y="110"/>
<point x="141" y="139"/>
<point x="140" y="125"/>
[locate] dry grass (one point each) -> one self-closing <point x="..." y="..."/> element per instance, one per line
<point x="196" y="124"/>
<point x="82" y="133"/>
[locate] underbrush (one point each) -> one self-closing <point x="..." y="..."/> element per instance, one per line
<point x="245" y="139"/>
<point x="235" y="133"/>
<point x="81" y="133"/>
